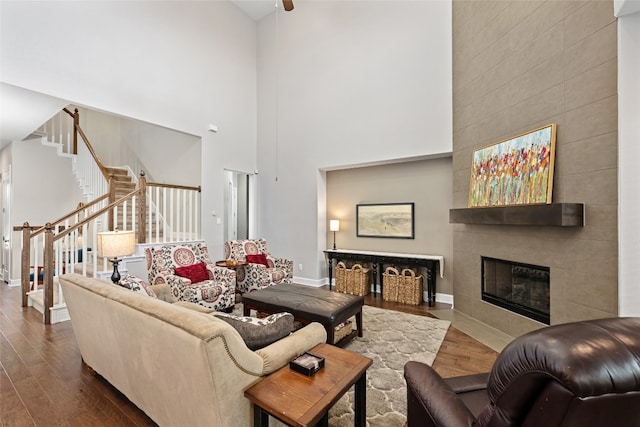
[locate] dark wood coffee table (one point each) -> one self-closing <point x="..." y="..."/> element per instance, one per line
<point x="298" y="400"/>
<point x="308" y="304"/>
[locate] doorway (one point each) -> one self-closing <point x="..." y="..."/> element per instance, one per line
<point x="5" y="219"/>
<point x="239" y="196"/>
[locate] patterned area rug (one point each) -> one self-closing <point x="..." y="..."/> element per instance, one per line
<point x="390" y="339"/>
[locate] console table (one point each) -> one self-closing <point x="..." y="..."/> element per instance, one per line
<point x="378" y="259"/>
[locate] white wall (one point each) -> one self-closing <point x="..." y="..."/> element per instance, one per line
<point x="628" y="153"/>
<point x="357" y="82"/>
<point x="166" y="155"/>
<point x="178" y="64"/>
<point x="425" y="183"/>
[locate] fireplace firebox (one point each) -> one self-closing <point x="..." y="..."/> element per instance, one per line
<point x="521" y="288"/>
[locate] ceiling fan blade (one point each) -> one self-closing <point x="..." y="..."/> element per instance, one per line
<point x="288" y="5"/>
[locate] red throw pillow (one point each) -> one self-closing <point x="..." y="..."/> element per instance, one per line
<point x="196" y="273"/>
<point x="258" y="259"/>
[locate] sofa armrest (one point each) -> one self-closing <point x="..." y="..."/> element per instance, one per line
<point x="175" y="280"/>
<point x="283" y="263"/>
<point x="193" y="306"/>
<point x="279" y="353"/>
<point x="257" y="270"/>
<point x="163" y="292"/>
<point x="430" y="401"/>
<point x="222" y="274"/>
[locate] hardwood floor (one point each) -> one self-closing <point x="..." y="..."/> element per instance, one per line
<point x="43" y="381"/>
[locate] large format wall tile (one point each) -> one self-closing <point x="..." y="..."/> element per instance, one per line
<point x="517" y="66"/>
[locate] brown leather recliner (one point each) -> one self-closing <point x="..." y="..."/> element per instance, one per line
<point x="580" y="374"/>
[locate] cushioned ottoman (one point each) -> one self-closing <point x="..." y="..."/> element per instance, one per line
<point x="308" y="304"/>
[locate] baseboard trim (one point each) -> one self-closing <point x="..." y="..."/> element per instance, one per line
<point x="444" y="298"/>
<point x="310" y="282"/>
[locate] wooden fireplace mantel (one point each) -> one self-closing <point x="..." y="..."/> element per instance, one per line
<point x="553" y="214"/>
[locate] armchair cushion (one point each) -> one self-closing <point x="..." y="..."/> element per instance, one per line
<point x="258" y="333"/>
<point x="258" y="259"/>
<point x="196" y="272"/>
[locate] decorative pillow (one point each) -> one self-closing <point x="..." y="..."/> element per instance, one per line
<point x="258" y="333"/>
<point x="196" y="273"/>
<point x="258" y="259"/>
<point x="137" y="285"/>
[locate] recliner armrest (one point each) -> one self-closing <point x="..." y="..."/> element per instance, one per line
<point x="467" y="383"/>
<point x="430" y="401"/>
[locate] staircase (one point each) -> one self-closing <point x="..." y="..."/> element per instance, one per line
<point x="158" y="213"/>
<point x="123" y="182"/>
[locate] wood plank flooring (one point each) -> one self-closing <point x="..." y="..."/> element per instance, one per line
<point x="43" y="381"/>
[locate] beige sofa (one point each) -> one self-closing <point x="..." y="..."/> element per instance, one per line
<point x="181" y="366"/>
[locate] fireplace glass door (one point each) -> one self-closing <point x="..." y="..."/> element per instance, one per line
<point x="521" y="288"/>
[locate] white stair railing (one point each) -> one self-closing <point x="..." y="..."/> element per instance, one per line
<point x="173" y="213"/>
<point x="88" y="173"/>
<point x="59" y="130"/>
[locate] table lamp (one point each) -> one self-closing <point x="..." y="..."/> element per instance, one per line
<point x="334" y="225"/>
<point x="114" y="244"/>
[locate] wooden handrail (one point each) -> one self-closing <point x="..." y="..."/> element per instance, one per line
<point x="76" y="126"/>
<point x="69" y="215"/>
<point x="94" y="215"/>
<point x="177" y="187"/>
<point x="142" y="212"/>
<point x="104" y="171"/>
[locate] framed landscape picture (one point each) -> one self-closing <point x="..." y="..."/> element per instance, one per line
<point x="385" y="220"/>
<point x="516" y="171"/>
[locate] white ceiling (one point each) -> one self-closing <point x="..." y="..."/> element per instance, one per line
<point x="23" y="111"/>
<point x="257" y="9"/>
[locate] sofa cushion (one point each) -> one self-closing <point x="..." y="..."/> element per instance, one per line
<point x="196" y="272"/>
<point x="138" y="285"/>
<point x="258" y="333"/>
<point x="258" y="259"/>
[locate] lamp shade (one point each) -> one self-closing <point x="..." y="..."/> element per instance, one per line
<point x="334" y="225"/>
<point x="113" y="244"/>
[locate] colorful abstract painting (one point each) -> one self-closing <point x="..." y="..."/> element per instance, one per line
<point x="517" y="171"/>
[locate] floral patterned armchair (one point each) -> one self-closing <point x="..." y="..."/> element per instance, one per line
<point x="257" y="276"/>
<point x="181" y="267"/>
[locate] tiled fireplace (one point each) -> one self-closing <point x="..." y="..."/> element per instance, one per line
<point x="518" y="66"/>
<point x="520" y="288"/>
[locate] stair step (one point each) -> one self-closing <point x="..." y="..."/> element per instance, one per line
<point x="125" y="185"/>
<point x="119" y="174"/>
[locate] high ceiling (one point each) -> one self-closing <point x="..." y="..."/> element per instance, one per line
<point x="23" y="111"/>
<point x="257" y="9"/>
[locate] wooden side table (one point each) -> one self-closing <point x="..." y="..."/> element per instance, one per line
<point x="237" y="265"/>
<point x="298" y="400"/>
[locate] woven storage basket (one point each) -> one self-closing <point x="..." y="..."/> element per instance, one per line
<point x="391" y="281"/>
<point x="358" y="280"/>
<point x="344" y="329"/>
<point x="411" y="289"/>
<point x="341" y="277"/>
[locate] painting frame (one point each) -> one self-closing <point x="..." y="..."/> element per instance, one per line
<point x="515" y="171"/>
<point x="387" y="220"/>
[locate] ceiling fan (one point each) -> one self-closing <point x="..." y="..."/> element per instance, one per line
<point x="288" y="5"/>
